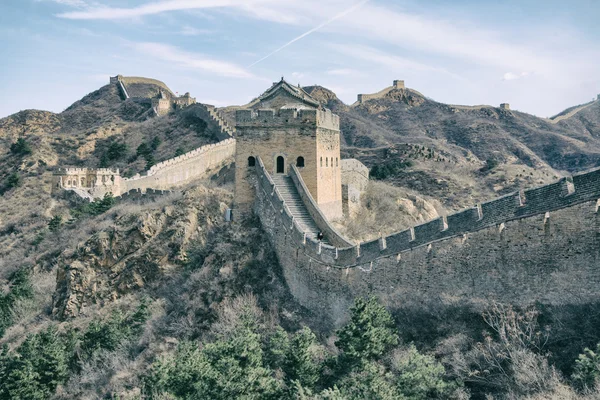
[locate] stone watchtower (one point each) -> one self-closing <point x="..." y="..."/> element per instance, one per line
<point x="287" y="126"/>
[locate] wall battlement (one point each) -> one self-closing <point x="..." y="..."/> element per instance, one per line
<point x="162" y="176"/>
<point x="396" y="85"/>
<point x="565" y="193"/>
<point x="539" y="245"/>
<point x="78" y="170"/>
<point x="269" y="117"/>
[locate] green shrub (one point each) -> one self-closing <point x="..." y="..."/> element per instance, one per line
<point x="21" y="147"/>
<point x="110" y="333"/>
<point x="20" y="288"/>
<point x="490" y="164"/>
<point x="155" y="143"/>
<point x="55" y="223"/>
<point x="13" y="181"/>
<point x="36" y="368"/>
<point x="587" y="368"/>
<point x="116" y="151"/>
<point x="96" y="207"/>
<point x="369" y="334"/>
<point x="419" y="376"/>
<point x="143" y="150"/>
<point x="389" y="169"/>
<point x="150" y="161"/>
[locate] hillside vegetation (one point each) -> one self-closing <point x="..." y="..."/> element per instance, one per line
<point x="160" y="298"/>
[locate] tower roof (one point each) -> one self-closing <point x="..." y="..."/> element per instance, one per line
<point x="295" y="91"/>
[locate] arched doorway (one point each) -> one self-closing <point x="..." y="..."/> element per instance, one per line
<point x="300" y="162"/>
<point x="280" y="165"/>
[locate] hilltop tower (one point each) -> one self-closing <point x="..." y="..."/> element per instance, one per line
<point x="286" y="126"/>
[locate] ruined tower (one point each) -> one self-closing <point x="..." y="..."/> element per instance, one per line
<point x="286" y="126"/>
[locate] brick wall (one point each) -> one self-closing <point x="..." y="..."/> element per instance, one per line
<point x="537" y="246"/>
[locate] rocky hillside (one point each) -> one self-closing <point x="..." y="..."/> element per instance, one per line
<point x="462" y="154"/>
<point x="161" y="298"/>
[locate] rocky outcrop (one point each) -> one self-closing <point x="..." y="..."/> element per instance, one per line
<point x="136" y="249"/>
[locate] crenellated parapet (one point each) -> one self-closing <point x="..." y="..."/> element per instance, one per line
<point x="162" y="176"/>
<point x="538" y="245"/>
<point x="289" y="117"/>
<point x="567" y="192"/>
<point x="396" y="85"/>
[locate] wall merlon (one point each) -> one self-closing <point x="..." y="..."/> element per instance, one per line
<point x="270" y="117"/>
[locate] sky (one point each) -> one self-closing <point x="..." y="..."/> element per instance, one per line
<point x="539" y="56"/>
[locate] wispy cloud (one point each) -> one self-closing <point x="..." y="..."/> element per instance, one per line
<point x="342" y="72"/>
<point x="384" y="59"/>
<point x="191" y="31"/>
<point x="158" y="7"/>
<point x="320" y="26"/>
<point x="187" y="59"/>
<point x="70" y="3"/>
<point x="511" y="76"/>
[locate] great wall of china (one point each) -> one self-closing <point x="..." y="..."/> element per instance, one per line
<point x="538" y="245"/>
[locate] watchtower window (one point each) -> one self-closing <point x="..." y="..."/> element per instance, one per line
<point x="336" y="161"/>
<point x="300" y="162"/>
<point x="321" y="161"/>
<point x="327" y="161"/>
<point x="251" y="161"/>
<point x="280" y="165"/>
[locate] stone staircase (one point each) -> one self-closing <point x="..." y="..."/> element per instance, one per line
<point x="292" y="199"/>
<point x="84" y="194"/>
<point x="220" y="120"/>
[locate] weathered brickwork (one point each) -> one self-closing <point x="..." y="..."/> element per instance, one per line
<point x="295" y="132"/>
<point x="355" y="178"/>
<point x="397" y="84"/>
<point x="163" y="102"/>
<point x="162" y="176"/>
<point x="541" y="245"/>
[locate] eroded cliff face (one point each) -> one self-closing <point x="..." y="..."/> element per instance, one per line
<point x="136" y="249"/>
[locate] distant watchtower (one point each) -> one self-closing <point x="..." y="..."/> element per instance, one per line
<point x="505" y="106"/>
<point x="287" y="126"/>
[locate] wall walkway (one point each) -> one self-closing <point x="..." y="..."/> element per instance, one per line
<point x="540" y="245"/>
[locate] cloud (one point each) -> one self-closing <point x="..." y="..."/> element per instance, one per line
<point x="191" y="31"/>
<point x="316" y="28"/>
<point x="342" y="72"/>
<point x="510" y="76"/>
<point x="70" y="3"/>
<point x="191" y="60"/>
<point x="384" y="59"/>
<point x="111" y="13"/>
<point x="297" y="75"/>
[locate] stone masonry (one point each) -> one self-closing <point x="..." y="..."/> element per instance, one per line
<point x="287" y="126"/>
<point x="539" y="245"/>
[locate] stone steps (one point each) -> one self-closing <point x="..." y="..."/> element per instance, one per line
<point x="294" y="203"/>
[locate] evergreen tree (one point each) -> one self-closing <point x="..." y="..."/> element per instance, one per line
<point x="418" y="376"/>
<point x="369" y="333"/>
<point x="55" y="223"/>
<point x="370" y="381"/>
<point x="586" y="373"/>
<point x="21" y="147"/>
<point x="13" y="181"/>
<point x="300" y="364"/>
<point x="155" y="143"/>
<point x="116" y="151"/>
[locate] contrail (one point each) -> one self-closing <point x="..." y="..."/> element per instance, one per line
<point x="330" y="20"/>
